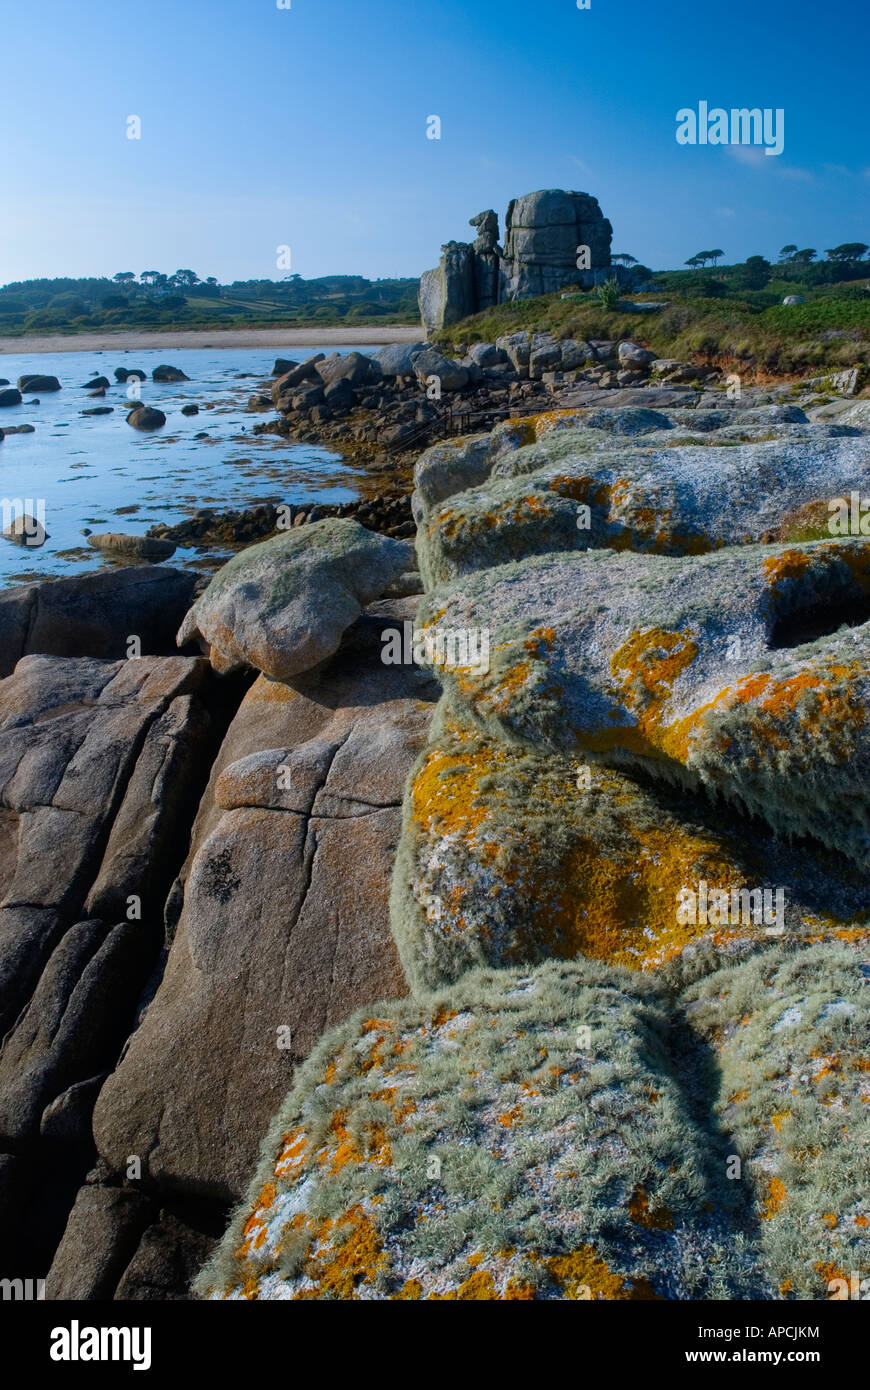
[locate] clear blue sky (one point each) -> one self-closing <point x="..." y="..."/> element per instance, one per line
<point x="263" y="127"/>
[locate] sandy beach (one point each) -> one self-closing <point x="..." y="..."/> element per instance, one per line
<point x="354" y="335"/>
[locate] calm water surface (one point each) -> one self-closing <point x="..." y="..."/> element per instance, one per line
<point x="98" y="472"/>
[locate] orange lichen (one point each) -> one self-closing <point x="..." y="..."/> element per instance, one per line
<point x="445" y="790"/>
<point x="775" y="1199"/>
<point x="291" y="1159"/>
<point x="345" y="1253"/>
<point x="659" y="1218"/>
<point x="511" y="1117"/>
<point x="582" y="1275"/>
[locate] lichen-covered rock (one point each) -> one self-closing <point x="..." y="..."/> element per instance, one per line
<point x="283" y="605"/>
<point x="518" y="1137"/>
<point x="574" y="490"/>
<point x="701" y="669"/>
<point x="790" y="1032"/>
<point x="512" y="855"/>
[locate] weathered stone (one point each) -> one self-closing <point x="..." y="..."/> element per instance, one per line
<point x="165" y="373"/>
<point x="70" y="734"/>
<point x="283" y="605"/>
<point x="308" y="851"/>
<point x="455" y="1109"/>
<point x="452" y="376"/>
<point x="351" y="367"/>
<point x="165" y="1262"/>
<point x="101" y="1236"/>
<point x="35" y="382"/>
<point x="74" y="1023"/>
<point x="137" y="547"/>
<point x="94" y="615"/>
<point x="447" y="294"/>
<point x="146" y="417"/>
<point x="395" y="359"/>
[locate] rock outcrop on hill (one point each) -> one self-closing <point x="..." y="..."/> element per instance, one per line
<point x="544" y="234"/>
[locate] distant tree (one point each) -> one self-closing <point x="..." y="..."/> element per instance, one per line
<point x="804" y="257"/>
<point x="756" y="272"/>
<point x="623" y="258"/>
<point x="154" y="278"/>
<point x="211" y="280"/>
<point x="788" y="252"/>
<point x="115" y="301"/>
<point x="714" y="255"/>
<point x="183" y="278"/>
<point x="695" y="262"/>
<point x="849" y="251"/>
<point x="124" y="277"/>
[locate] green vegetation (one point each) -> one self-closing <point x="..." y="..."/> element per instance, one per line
<point x="738" y="317"/>
<point x="182" y="300"/>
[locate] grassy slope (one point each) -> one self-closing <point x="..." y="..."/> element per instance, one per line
<point x="749" y="327"/>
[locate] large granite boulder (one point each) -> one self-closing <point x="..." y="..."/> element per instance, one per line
<point x="296" y="833"/>
<point x="542" y="233"/>
<point x="72" y="733"/>
<point x="396" y="358"/>
<point x="283" y="605"/>
<point x="95" y="615"/>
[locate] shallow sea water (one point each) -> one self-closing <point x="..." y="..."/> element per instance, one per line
<point x="98" y="472"/>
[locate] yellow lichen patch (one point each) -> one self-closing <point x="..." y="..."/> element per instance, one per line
<point x="775" y="1199"/>
<point x="256" y="1229"/>
<point x="584" y="489"/>
<point x="829" y="1219"/>
<point x="376" y="1145"/>
<point x="344" y="1254"/>
<point x="445" y="790"/>
<point x="583" y="1275"/>
<point x="828" y="1272"/>
<point x="648" y="665"/>
<point x="643" y="1213"/>
<point x="511" y="1117"/>
<point x="624" y="909"/>
<point x="790" y="564"/>
<point x="412" y="1290"/>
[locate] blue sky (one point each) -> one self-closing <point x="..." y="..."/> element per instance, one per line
<point x="307" y="127"/>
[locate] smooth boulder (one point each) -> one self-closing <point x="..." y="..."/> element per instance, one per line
<point x="283" y="605"/>
<point x="138" y="547"/>
<point x="146" y="417"/>
<point x="164" y="373"/>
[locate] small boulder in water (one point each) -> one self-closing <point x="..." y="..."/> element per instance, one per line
<point x="132" y="547"/>
<point x="146" y="417"/>
<point x="26" y="530"/>
<point x="164" y="373"/>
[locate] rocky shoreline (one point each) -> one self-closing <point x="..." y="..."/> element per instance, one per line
<point x="305" y="945"/>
